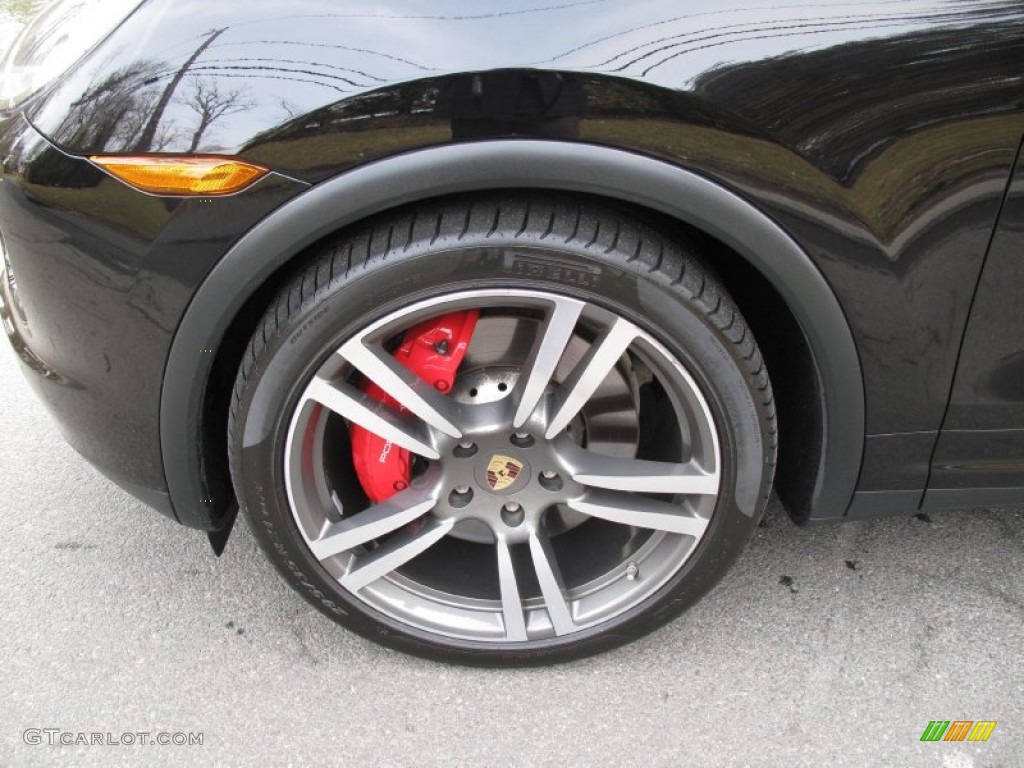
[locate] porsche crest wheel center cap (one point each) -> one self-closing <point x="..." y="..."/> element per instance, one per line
<point x="502" y="472"/>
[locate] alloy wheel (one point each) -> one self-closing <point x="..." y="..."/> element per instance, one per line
<point x="570" y="471"/>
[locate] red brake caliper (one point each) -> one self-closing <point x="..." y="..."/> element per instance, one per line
<point x="433" y="350"/>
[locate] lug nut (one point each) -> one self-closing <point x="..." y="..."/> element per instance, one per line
<point x="522" y="439"/>
<point x="550" y="480"/>
<point x="512" y="514"/>
<point x="465" y="449"/>
<point x="460" y="497"/>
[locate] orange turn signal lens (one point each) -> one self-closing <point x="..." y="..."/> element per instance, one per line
<point x="177" y="175"/>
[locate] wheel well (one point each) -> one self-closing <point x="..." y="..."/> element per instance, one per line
<point x="797" y="386"/>
<point x="798" y="389"/>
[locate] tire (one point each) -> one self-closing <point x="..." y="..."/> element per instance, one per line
<point x="622" y="545"/>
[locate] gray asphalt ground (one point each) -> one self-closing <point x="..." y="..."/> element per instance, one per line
<point x="827" y="646"/>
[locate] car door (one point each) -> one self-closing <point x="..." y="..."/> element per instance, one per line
<point x="979" y="457"/>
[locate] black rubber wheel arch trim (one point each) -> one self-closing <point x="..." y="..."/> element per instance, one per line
<point x="513" y="164"/>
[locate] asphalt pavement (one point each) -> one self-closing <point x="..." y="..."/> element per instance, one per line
<point x="833" y="645"/>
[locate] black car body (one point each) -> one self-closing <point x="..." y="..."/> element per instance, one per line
<point x="859" y="165"/>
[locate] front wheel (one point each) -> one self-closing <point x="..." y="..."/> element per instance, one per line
<point x="506" y="429"/>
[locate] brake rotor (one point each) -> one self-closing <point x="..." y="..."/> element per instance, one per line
<point x="490" y="370"/>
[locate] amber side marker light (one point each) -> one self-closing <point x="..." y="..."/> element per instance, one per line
<point x="181" y="175"/>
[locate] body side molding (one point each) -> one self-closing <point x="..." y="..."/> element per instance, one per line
<point x="505" y="164"/>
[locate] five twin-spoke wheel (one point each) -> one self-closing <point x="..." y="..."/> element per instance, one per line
<point x="517" y="439"/>
<point x="516" y="470"/>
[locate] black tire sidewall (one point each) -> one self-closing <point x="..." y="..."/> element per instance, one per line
<point x="652" y="301"/>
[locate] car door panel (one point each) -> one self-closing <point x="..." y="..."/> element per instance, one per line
<point x="981" y="446"/>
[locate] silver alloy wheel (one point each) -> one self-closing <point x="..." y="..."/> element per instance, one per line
<point x="582" y="533"/>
